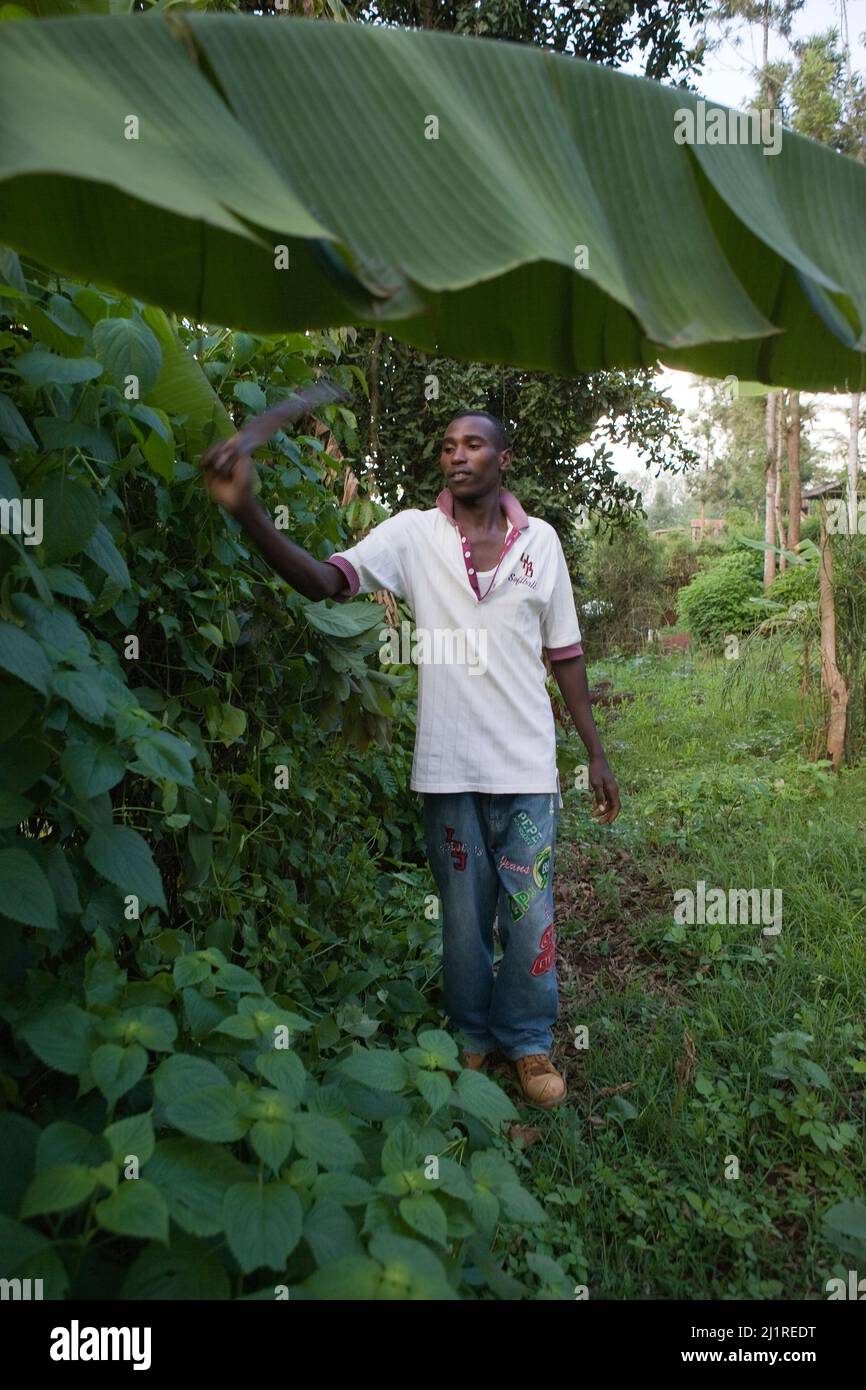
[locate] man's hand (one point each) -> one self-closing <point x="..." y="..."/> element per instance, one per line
<point x="228" y="474"/>
<point x="228" y="469"/>
<point x="603" y="783"/>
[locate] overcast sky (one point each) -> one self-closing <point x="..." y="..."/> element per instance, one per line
<point x="729" y="78"/>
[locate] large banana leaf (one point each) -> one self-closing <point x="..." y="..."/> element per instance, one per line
<point x="257" y="133"/>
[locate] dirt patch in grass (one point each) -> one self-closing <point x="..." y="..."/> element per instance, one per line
<point x="597" y="946"/>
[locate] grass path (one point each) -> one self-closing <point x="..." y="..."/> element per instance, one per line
<point x="717" y="1113"/>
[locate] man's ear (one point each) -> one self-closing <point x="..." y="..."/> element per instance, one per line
<point x="505" y="459"/>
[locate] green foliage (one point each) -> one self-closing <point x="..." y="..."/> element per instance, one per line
<point x="798" y="584"/>
<point x="625" y="588"/>
<point x="217" y="1054"/>
<point x="717" y="601"/>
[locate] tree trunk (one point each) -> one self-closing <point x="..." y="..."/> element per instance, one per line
<point x="770" y="493"/>
<point x="831" y="677"/>
<point x="795" y="491"/>
<point x="853" y="433"/>
<point x="781" y="430"/>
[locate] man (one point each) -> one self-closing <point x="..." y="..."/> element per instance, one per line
<point x="481" y="575"/>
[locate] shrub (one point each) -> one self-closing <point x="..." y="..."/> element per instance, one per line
<point x="717" y="601"/>
<point x="799" y="583"/>
<point x="195" y="956"/>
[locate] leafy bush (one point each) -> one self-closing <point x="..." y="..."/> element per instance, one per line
<point x="624" y="588"/>
<point x="717" y="601"/>
<point x="194" y="955"/>
<point x="798" y="584"/>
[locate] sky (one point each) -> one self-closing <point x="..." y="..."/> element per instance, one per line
<point x="729" y="79"/>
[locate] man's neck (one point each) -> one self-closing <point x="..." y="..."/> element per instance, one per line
<point x="481" y="515"/>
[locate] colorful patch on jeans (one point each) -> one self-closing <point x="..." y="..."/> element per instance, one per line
<point x="457" y="848"/>
<point x="546" y="957"/>
<point x="527" y="828"/>
<point x="541" y="867"/>
<point x="519" y="903"/>
<point x="506" y="863"/>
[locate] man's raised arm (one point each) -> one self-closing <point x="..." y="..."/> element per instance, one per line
<point x="228" y="474"/>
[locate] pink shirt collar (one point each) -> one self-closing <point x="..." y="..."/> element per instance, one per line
<point x="510" y="505"/>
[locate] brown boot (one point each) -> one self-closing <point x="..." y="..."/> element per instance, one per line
<point x="477" y="1061"/>
<point x="540" y="1081"/>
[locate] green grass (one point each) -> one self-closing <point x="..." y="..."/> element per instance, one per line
<point x="684" y="1018"/>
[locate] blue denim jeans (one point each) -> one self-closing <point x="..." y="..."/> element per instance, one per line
<point x="493" y="854"/>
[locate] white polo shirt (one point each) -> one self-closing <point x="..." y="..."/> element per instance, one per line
<point x="484" y="717"/>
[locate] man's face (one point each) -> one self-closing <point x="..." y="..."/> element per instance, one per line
<point x="471" y="462"/>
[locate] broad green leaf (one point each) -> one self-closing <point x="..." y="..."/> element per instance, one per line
<point x="347" y="620"/>
<point x="104" y="553"/>
<point x="13" y="431"/>
<point x="440" y="1049"/>
<point x="194" y="1177"/>
<point x="423" y="1213"/>
<point x="189" y="1271"/>
<point x="63" y="1143"/>
<point x="54" y="626"/>
<point x="123" y="857"/>
<point x="40" y="368"/>
<point x="128" y="349"/>
<point x="92" y="441"/>
<point x="57" y="1189"/>
<point x="847" y="1219"/>
<point x="263" y="1224"/>
<point x="401" y="1150"/>
<point x="19" y="1244"/>
<point x="570" y="280"/>
<point x="184" y="391"/>
<point x="92" y="768"/>
<point x="24" y="658"/>
<point x="236" y="980"/>
<point x="117" y="1069"/>
<point x="62" y="1038"/>
<point x="80" y="691"/>
<point x="19" y="1140"/>
<point x="354" y="1278"/>
<point x="348" y="1189"/>
<point x="160" y="755"/>
<point x="251" y="395"/>
<point x="160" y="455"/>
<point x="325" y="1141"/>
<point x="384" y="1071"/>
<point x="285" y="1072"/>
<point x="213" y="1112"/>
<point x="520" y="1205"/>
<point x="330" y="1233"/>
<point x="481" y="1097"/>
<point x="136" y="1208"/>
<point x="25" y="893"/>
<point x="435" y="1087"/>
<point x="177" y="1076"/>
<point x="484" y="1207"/>
<point x="272" y="1141"/>
<point x="153" y="1028"/>
<point x="190" y="970"/>
<point x="70" y="513"/>
<point x="409" y="1269"/>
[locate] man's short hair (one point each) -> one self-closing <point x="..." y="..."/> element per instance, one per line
<point x="500" y="435"/>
